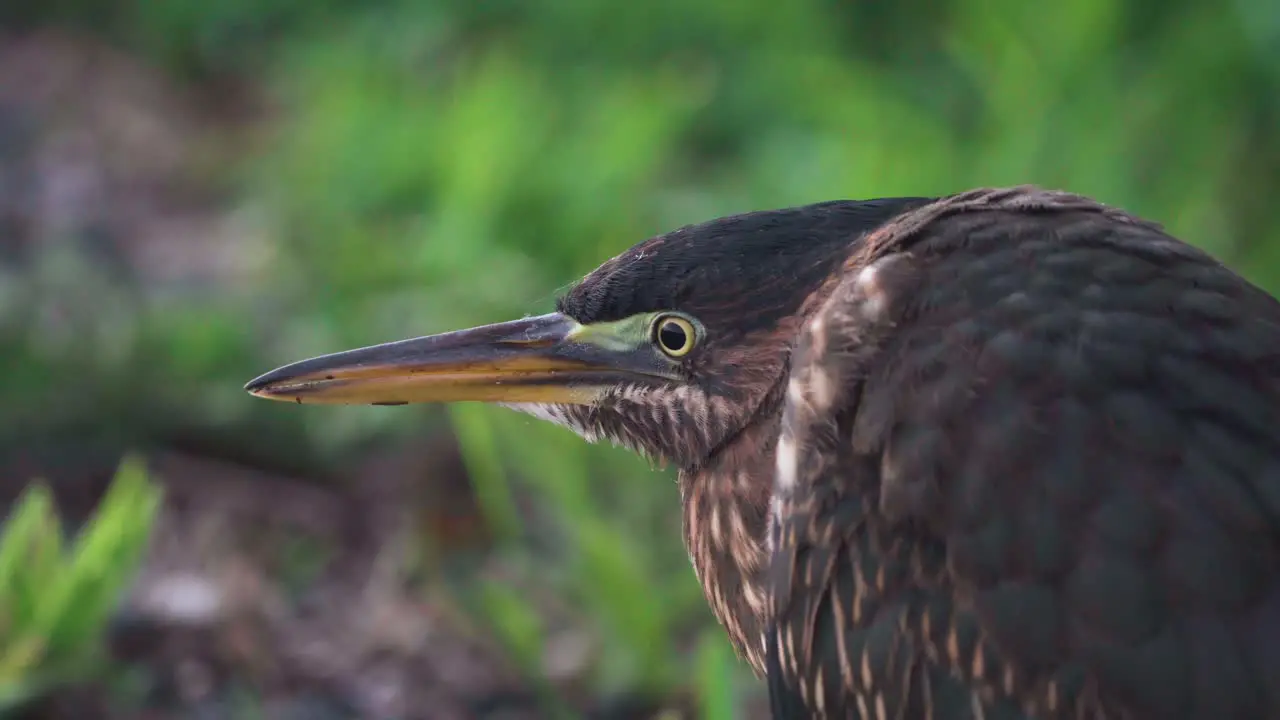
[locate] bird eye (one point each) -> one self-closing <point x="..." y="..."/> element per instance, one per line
<point x="674" y="335"/>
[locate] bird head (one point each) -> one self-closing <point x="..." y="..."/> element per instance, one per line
<point x="670" y="348"/>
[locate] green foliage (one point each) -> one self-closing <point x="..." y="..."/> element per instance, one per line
<point x="519" y="628"/>
<point x="716" y="679"/>
<point x="488" y="478"/>
<point x="54" y="599"/>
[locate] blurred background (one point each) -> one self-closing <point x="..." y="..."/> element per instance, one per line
<point x="192" y="193"/>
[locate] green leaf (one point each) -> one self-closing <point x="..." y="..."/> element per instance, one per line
<point x="481" y="455"/>
<point x="717" y="694"/>
<point x="55" y="603"/>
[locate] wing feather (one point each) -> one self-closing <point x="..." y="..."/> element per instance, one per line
<point x="1029" y="467"/>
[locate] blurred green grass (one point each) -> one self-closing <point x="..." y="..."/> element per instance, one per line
<point x="427" y="166"/>
<point x="55" y="600"/>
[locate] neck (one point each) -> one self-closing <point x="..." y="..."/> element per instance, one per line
<point x="725" y="509"/>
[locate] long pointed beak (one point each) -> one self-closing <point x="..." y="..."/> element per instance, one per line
<point x="535" y="359"/>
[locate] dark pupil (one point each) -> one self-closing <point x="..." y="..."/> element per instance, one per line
<point x="672" y="336"/>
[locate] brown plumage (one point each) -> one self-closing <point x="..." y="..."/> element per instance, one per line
<point x="1005" y="454"/>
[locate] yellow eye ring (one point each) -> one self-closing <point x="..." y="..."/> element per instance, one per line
<point x="675" y="336"/>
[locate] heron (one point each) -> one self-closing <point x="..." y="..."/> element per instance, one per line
<point x="1005" y="453"/>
